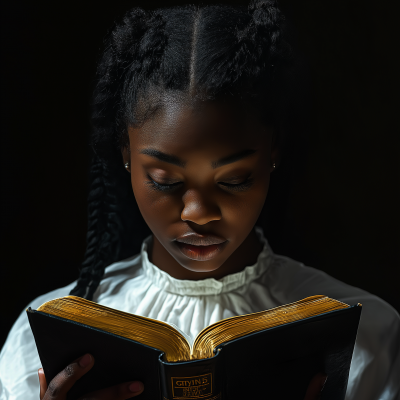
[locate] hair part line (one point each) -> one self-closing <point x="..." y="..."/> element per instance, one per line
<point x="193" y="52"/>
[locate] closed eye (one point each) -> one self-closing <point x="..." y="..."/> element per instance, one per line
<point x="162" y="187"/>
<point x="171" y="186"/>
<point x="238" y="186"/>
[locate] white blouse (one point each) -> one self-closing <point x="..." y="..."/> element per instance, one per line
<point x="137" y="286"/>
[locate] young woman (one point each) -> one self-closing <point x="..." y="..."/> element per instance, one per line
<point x="193" y="112"/>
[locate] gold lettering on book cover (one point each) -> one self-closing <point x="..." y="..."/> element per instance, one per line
<point x="193" y="387"/>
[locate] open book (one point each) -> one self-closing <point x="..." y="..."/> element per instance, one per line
<point x="226" y="359"/>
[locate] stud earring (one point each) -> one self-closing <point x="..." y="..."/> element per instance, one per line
<point x="127" y="166"/>
<point x="273" y="166"/>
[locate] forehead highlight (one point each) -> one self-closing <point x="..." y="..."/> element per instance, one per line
<point x="180" y="128"/>
<point x="175" y="160"/>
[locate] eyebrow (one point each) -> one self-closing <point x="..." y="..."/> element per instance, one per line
<point x="171" y="159"/>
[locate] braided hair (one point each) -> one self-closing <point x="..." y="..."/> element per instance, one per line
<point x="204" y="52"/>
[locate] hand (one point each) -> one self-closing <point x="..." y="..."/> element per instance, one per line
<point x="316" y="386"/>
<point x="63" y="382"/>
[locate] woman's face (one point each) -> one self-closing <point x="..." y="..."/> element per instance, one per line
<point x="200" y="177"/>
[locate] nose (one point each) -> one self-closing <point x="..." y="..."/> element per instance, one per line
<point x="199" y="210"/>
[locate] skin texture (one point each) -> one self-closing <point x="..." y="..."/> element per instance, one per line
<point x="198" y="135"/>
<point x="63" y="382"/>
<point x="201" y="202"/>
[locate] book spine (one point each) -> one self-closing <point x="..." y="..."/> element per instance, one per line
<point x="31" y="318"/>
<point x="197" y="379"/>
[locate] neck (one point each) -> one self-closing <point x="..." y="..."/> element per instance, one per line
<point x="246" y="254"/>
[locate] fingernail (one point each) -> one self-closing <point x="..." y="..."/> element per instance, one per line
<point x="85" y="360"/>
<point x="136" y="387"/>
<point x="40" y="371"/>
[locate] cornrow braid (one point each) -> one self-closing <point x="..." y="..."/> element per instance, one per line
<point x="152" y="45"/>
<point x="118" y="60"/>
<point x="260" y="37"/>
<point x="199" y="52"/>
<point x="268" y="22"/>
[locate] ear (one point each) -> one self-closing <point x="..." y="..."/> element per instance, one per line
<point x="276" y="146"/>
<point x="126" y="157"/>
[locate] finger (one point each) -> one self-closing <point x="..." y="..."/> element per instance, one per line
<point x="62" y="383"/>
<point x="42" y="383"/>
<point x="316" y="386"/>
<point x="118" y="392"/>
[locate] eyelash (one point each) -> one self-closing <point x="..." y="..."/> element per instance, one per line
<point x="165" y="188"/>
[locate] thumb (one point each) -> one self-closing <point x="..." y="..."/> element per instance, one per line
<point x="42" y="382"/>
<point x="316" y="386"/>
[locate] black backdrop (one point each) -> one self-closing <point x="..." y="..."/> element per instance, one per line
<point x="345" y="209"/>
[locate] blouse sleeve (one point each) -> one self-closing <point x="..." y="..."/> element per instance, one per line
<point x="375" y="367"/>
<point x="19" y="359"/>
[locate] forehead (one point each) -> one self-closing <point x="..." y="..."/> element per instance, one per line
<point x="209" y="127"/>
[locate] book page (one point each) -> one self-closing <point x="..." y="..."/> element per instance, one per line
<point x="184" y="334"/>
<point x="150" y="332"/>
<point x="236" y="327"/>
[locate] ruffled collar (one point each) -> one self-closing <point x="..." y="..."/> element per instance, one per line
<point x="209" y="286"/>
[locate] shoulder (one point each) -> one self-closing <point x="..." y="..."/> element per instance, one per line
<point x="293" y="281"/>
<point x="375" y="366"/>
<point x="21" y="324"/>
<point x="19" y="360"/>
<point x="116" y="272"/>
<point x="298" y="281"/>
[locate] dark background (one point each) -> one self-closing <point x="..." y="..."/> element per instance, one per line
<point x="345" y="209"/>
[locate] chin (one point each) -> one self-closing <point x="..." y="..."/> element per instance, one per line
<point x="200" y="267"/>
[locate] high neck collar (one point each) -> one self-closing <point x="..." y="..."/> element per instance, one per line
<point x="209" y="286"/>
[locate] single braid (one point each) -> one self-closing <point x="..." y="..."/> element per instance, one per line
<point x="115" y="225"/>
<point x="107" y="249"/>
<point x="97" y="223"/>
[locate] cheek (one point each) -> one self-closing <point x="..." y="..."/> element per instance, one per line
<point x="158" y="210"/>
<point x="244" y="210"/>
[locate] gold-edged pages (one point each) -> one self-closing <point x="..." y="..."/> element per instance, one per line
<point x="164" y="337"/>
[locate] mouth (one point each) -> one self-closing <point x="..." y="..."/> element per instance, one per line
<point x="200" y="253"/>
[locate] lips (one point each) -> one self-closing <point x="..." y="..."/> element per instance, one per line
<point x="200" y="253"/>
<point x="200" y="240"/>
<point x="200" y="247"/>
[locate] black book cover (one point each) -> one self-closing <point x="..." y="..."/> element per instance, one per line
<point x="277" y="363"/>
